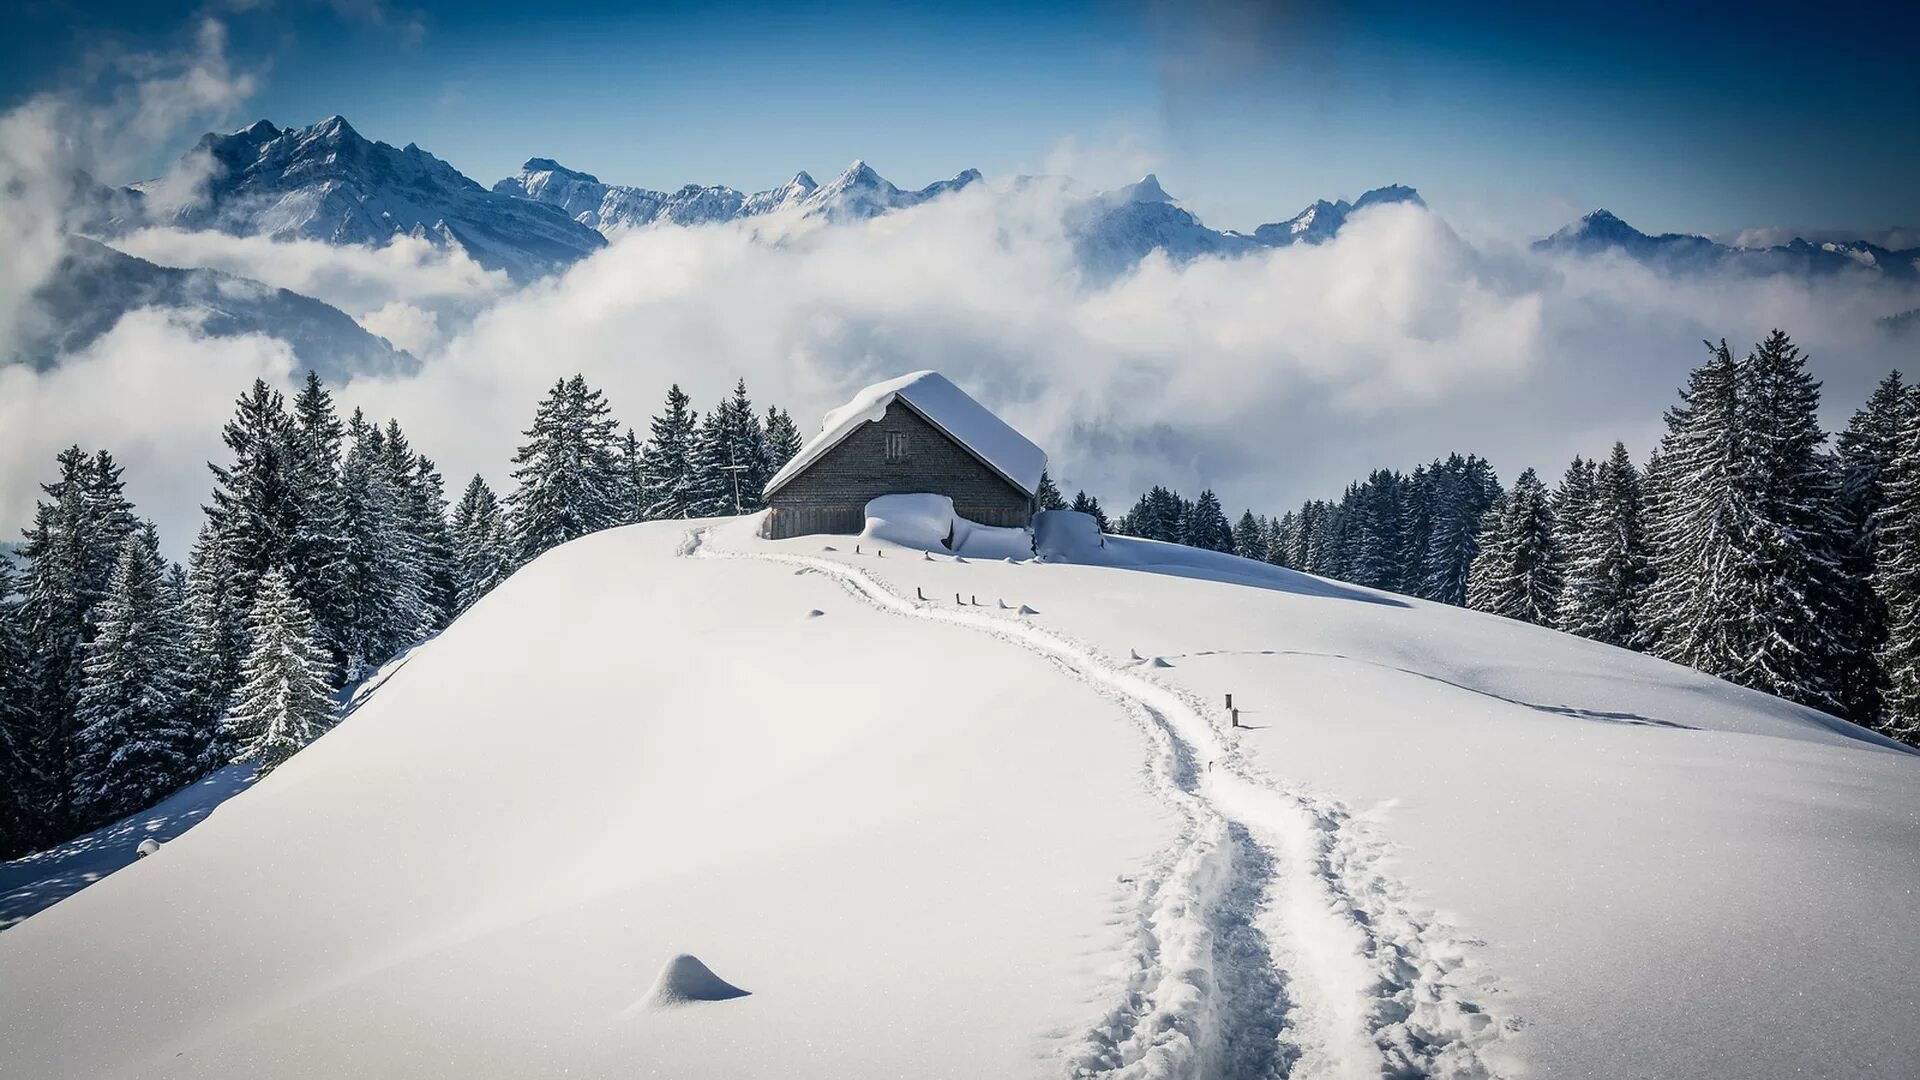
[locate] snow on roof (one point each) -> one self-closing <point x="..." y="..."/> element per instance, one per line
<point x="944" y="405"/>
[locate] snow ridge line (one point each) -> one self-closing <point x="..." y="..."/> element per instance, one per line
<point x="1375" y="986"/>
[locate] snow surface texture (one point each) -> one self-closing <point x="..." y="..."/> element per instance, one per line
<point x="32" y="882"/>
<point x="944" y="405"/>
<point x="948" y="839"/>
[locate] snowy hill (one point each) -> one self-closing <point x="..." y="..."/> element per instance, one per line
<point x="1601" y="231"/>
<point x="328" y="182"/>
<point x="93" y="285"/>
<point x="933" y="838"/>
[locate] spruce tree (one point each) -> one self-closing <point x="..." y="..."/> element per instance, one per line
<point x="566" y="475"/>
<point x="710" y="490"/>
<point x="1797" y="635"/>
<point x="71" y="551"/>
<point x="1464" y="489"/>
<point x="1377" y="509"/>
<point x="135" y="741"/>
<point x="1516" y="573"/>
<point x="1250" y="537"/>
<point x="316" y="547"/>
<point x="783" y="438"/>
<point x="1896" y="581"/>
<point x="483" y="551"/>
<point x="1283" y="539"/>
<point x="1697" y="524"/>
<point x="257" y="507"/>
<point x="1866" y="452"/>
<point x="1086" y="504"/>
<point x="1206" y="524"/>
<point x="283" y="702"/>
<point x="1049" y="497"/>
<point x="742" y="451"/>
<point x="385" y="593"/>
<point x="216" y="634"/>
<point x="632" y="466"/>
<point x="1608" y="570"/>
<point x="16" y="826"/>
<point x="668" y="471"/>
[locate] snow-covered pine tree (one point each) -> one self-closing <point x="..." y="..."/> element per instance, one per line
<point x="1866" y="450"/>
<point x="16" y="828"/>
<point x="1283" y="538"/>
<point x="742" y="451"/>
<point x="283" y="702"/>
<point x="317" y="546"/>
<point x="135" y="740"/>
<point x="483" y="553"/>
<point x="433" y="542"/>
<point x="257" y="508"/>
<point x="566" y="475"/>
<point x="1250" y="537"/>
<point x="1572" y="513"/>
<point x="710" y="488"/>
<point x="1516" y="573"/>
<point x="1696" y="524"/>
<point x="668" y="471"/>
<point x="1377" y="508"/>
<point x="1086" y="504"/>
<point x="1417" y="497"/>
<point x="71" y="551"/>
<point x="216" y="635"/>
<point x="1608" y="570"/>
<point x="1206" y="524"/>
<point x="1896" y="580"/>
<point x="1465" y="488"/>
<point x="1049" y="497"/>
<point x="1791" y="575"/>
<point x="783" y="438"/>
<point x="632" y="463"/>
<point x="383" y="588"/>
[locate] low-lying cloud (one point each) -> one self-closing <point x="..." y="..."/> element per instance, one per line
<point x="1270" y="377"/>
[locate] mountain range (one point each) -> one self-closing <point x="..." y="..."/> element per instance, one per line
<point x="329" y="183"/>
<point x="1685" y="253"/>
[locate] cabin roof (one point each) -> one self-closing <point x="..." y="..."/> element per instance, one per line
<point x="940" y="403"/>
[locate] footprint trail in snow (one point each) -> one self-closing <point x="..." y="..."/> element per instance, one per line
<point x="1267" y="940"/>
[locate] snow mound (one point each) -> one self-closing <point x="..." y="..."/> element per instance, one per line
<point x="915" y="521"/>
<point x="928" y="522"/>
<point x="1067" y="536"/>
<point x="685" y="981"/>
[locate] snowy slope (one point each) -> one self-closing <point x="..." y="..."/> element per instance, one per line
<point x="940" y="839"/>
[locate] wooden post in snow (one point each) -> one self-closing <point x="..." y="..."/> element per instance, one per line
<point x="1229" y="701"/>
<point x="1236" y="718"/>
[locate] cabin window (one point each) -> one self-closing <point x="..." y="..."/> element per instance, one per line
<point x="896" y="446"/>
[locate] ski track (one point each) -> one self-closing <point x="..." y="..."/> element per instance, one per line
<point x="1268" y="940"/>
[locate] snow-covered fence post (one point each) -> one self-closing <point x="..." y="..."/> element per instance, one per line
<point x="1236" y="718"/>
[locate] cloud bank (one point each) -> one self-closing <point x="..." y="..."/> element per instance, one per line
<point x="1270" y="377"/>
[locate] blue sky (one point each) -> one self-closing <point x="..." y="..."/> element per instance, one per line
<point x="1677" y="116"/>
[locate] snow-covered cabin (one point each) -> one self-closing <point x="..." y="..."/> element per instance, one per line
<point x="918" y="433"/>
